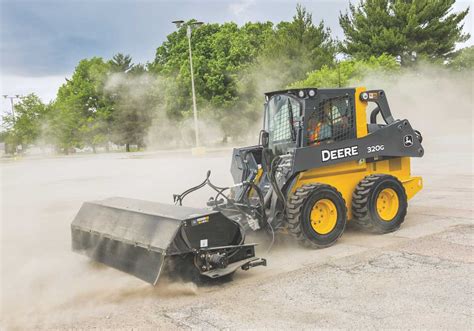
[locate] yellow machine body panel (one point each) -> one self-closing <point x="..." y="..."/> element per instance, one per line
<point x="345" y="176"/>
<point x="361" y="116"/>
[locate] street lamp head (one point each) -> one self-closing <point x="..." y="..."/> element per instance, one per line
<point x="198" y="24"/>
<point x="178" y="23"/>
<point x="5" y="96"/>
<point x="17" y="96"/>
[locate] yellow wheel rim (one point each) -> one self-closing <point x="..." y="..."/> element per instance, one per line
<point x="323" y="216"/>
<point x="387" y="204"/>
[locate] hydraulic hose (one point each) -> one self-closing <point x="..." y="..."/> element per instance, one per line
<point x="262" y="200"/>
<point x="275" y="184"/>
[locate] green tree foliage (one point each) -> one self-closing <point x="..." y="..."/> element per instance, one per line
<point x="297" y="47"/>
<point x="121" y="63"/>
<point x="82" y="111"/>
<point x="63" y="127"/>
<point x="220" y="51"/>
<point x="349" y="72"/>
<point x="25" y="127"/>
<point x="103" y="101"/>
<point x="404" y="28"/>
<point x="291" y="50"/>
<point x="463" y="59"/>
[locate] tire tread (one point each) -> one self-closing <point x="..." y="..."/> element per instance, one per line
<point x="294" y="208"/>
<point x="360" y="203"/>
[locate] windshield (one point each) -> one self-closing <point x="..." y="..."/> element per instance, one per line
<point x="281" y="112"/>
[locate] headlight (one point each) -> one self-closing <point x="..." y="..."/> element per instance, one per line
<point x="364" y="96"/>
<point x="312" y="93"/>
<point x="301" y="93"/>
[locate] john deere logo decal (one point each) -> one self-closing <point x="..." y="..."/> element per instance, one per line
<point x="408" y="140"/>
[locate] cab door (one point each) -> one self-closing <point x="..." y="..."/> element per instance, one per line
<point x="282" y="114"/>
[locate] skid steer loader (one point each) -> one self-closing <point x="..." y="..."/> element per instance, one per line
<point x="318" y="165"/>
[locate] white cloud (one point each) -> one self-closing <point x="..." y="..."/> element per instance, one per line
<point x="240" y="7"/>
<point x="45" y="87"/>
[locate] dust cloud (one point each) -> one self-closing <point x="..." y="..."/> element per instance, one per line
<point x="143" y="94"/>
<point x="43" y="282"/>
<point x="165" y="133"/>
<point x="240" y="123"/>
<point x="438" y="102"/>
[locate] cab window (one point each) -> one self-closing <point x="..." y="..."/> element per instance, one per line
<point x="332" y="120"/>
<point x="282" y="112"/>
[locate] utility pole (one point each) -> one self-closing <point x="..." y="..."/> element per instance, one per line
<point x="12" y="102"/>
<point x="189" y="28"/>
<point x="196" y="127"/>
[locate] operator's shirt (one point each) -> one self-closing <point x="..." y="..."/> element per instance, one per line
<point x="320" y="132"/>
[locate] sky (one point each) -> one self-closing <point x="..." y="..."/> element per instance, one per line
<point x="43" y="40"/>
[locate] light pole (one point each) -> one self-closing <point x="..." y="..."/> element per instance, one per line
<point x="12" y="98"/>
<point x="189" y="27"/>
<point x="12" y="102"/>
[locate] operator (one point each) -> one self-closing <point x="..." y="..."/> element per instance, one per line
<point x="320" y="130"/>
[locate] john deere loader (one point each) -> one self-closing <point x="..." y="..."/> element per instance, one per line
<point x="322" y="160"/>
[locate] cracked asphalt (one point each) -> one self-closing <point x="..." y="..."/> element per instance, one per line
<point x="419" y="277"/>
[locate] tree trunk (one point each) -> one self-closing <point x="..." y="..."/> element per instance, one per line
<point x="127" y="147"/>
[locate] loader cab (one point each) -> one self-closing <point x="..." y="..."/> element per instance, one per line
<point x="305" y="117"/>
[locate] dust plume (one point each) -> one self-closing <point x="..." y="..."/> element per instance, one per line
<point x="437" y="101"/>
<point x="263" y="76"/>
<point x="143" y="98"/>
<point x="165" y="133"/>
<point x="43" y="282"/>
<point x="237" y="122"/>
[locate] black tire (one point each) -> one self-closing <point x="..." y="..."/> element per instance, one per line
<point x="299" y="208"/>
<point x="364" y="203"/>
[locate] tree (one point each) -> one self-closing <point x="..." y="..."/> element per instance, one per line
<point x="81" y="111"/>
<point x="297" y="47"/>
<point x="63" y="126"/>
<point x="131" y="91"/>
<point x="463" y="59"/>
<point x="121" y="63"/>
<point x="403" y="28"/>
<point x="349" y="72"/>
<point x="220" y="53"/>
<point x="25" y="128"/>
<point x="291" y="50"/>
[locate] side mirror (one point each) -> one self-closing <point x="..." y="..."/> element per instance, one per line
<point x="265" y="138"/>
